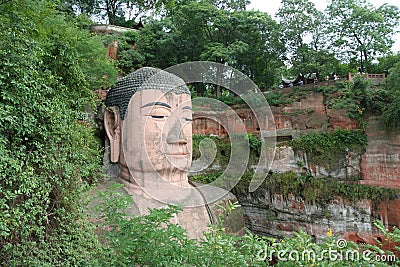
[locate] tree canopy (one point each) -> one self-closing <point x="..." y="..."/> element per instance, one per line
<point x="302" y="38"/>
<point x="360" y="32"/>
<point x="48" y="69"/>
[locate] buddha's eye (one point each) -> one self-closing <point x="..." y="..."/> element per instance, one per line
<point x="159" y="113"/>
<point x="188" y="119"/>
<point x="158" y="117"/>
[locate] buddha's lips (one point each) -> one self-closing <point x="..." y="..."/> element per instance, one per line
<point x="177" y="151"/>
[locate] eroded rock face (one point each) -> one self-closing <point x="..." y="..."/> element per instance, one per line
<point x="274" y="215"/>
<point x="287" y="160"/>
<point x="307" y="114"/>
<point x="380" y="166"/>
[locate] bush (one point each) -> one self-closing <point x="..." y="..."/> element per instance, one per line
<point x="231" y="99"/>
<point x="340" y="139"/>
<point x="277" y="99"/>
<point x="223" y="147"/>
<point x="392" y="114"/>
<point x="48" y="155"/>
<point x="360" y="99"/>
<point x="152" y="240"/>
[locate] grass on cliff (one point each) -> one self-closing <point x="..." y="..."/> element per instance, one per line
<point x="223" y="147"/>
<point x="316" y="191"/>
<point x="330" y="149"/>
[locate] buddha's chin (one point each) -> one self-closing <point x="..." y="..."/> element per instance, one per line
<point x="179" y="162"/>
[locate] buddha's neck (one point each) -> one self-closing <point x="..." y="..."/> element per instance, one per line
<point x="174" y="177"/>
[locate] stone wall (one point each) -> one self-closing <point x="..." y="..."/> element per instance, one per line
<point x="310" y="113"/>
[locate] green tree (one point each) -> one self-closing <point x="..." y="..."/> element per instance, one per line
<point x="231" y="5"/>
<point x="246" y="40"/>
<point x="157" y="43"/>
<point x="392" y="112"/>
<point x="256" y="49"/>
<point x="393" y="79"/>
<point x="303" y="32"/>
<point x="385" y="63"/>
<point x="48" y="156"/>
<point x="361" y="32"/>
<point x="117" y="12"/>
<point x="296" y="18"/>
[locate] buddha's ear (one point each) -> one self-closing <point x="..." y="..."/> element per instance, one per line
<point x="112" y="125"/>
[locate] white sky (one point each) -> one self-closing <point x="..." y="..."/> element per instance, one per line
<point x="272" y="6"/>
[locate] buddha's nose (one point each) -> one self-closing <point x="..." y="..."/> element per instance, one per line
<point x="176" y="135"/>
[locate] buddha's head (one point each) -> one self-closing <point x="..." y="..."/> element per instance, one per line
<point x="148" y="122"/>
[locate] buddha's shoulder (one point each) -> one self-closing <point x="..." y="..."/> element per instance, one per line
<point x="224" y="205"/>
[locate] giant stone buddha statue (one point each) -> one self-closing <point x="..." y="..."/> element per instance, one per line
<point x="148" y="121"/>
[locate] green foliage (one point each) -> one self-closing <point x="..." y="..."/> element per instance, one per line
<point x="360" y="99"/>
<point x="152" y="240"/>
<point x="231" y="99"/>
<point x="157" y="44"/>
<point x="379" y="101"/>
<point x="392" y="114"/>
<point x="205" y="178"/>
<point x="255" y="143"/>
<point x="340" y="139"/>
<point x="100" y="72"/>
<point x="391" y="111"/>
<point x="355" y="97"/>
<point x="281" y="98"/>
<point x="393" y="79"/>
<point x="131" y="37"/>
<point x="223" y="147"/>
<point x="134" y="241"/>
<point x="277" y="98"/>
<point x="317" y="191"/>
<point x="129" y="60"/>
<point x="48" y="157"/>
<point x="385" y="63"/>
<point x="294" y="25"/>
<point x="116" y="12"/>
<point x="363" y="31"/>
<point x="198" y="30"/>
<point x="329" y="148"/>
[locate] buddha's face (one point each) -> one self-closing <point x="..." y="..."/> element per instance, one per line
<point x="157" y="134"/>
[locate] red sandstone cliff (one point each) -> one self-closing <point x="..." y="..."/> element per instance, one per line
<point x="378" y="166"/>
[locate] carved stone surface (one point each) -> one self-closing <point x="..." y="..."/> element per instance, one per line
<point x="148" y="125"/>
